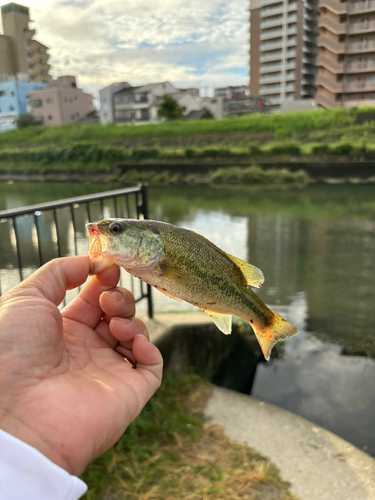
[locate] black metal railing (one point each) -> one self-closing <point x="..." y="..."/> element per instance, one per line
<point x="31" y="236"/>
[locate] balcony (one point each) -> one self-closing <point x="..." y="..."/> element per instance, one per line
<point x="290" y="76"/>
<point x="266" y="35"/>
<point x="361" y="47"/>
<point x="271" y="11"/>
<point x="29" y="34"/>
<point x="359" y="86"/>
<point x="270" y="79"/>
<point x="270" y="68"/>
<point x="361" y="7"/>
<point x="290" y="87"/>
<point x="291" y="65"/>
<point x="337" y="28"/>
<point x="360" y="67"/>
<point x="271" y="45"/>
<point x="292" y="18"/>
<point x="332" y="66"/>
<point x="271" y="22"/>
<point x="335" y="47"/>
<point x="333" y="6"/>
<point x="291" y="53"/>
<point x="325" y="102"/>
<point x="291" y="41"/>
<point x="292" y="6"/>
<point x="271" y="57"/>
<point x="331" y="85"/>
<point x="363" y="27"/>
<point x="263" y="3"/>
<point x="269" y="90"/>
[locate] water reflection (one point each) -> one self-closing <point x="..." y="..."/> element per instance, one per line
<point x="316" y="248"/>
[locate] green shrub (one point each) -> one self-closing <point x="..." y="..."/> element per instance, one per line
<point x="256" y="175"/>
<point x="144" y="153"/>
<point x="317" y="149"/>
<point x="343" y="149"/>
<point x="284" y="148"/>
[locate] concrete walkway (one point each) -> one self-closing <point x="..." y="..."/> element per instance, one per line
<point x="318" y="464"/>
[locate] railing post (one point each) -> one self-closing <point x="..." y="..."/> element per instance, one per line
<point x="143" y="208"/>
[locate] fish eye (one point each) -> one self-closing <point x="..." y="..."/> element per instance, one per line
<point x="115" y="228"/>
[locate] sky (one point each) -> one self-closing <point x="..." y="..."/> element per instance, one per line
<point x="200" y="43"/>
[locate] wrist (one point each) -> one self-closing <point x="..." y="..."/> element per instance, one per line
<point x="22" y="431"/>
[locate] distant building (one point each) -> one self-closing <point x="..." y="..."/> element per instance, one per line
<point x="241" y="104"/>
<point x="19" y="52"/>
<point x="14" y="99"/>
<point x="213" y="104"/>
<point x="227" y="91"/>
<point x="62" y="103"/>
<point x="122" y="103"/>
<point x="283" y="49"/>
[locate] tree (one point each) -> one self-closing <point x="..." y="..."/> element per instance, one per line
<point x="170" y="109"/>
<point x="27" y="121"/>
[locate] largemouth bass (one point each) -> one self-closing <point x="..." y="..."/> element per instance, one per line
<point x="188" y="267"/>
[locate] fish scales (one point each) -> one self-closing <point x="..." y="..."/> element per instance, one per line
<point x="206" y="264"/>
<point x="186" y="266"/>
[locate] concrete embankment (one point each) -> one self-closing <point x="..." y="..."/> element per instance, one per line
<point x="318" y="464"/>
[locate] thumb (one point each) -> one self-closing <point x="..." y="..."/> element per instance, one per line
<point x="54" y="278"/>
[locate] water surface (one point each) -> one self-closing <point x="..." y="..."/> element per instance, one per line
<point x="316" y="247"/>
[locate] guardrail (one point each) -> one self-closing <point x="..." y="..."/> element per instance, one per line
<point x="31" y="236"/>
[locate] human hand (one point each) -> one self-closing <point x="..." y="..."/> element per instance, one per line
<point x="63" y="387"/>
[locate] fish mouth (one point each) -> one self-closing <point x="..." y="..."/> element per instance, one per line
<point x="99" y="259"/>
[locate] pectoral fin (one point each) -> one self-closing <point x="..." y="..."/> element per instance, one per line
<point x="253" y="275"/>
<point x="222" y="321"/>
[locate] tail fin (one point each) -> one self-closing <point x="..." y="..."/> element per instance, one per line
<point x="279" y="329"/>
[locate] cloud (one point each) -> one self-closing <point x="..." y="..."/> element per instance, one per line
<point x="195" y="42"/>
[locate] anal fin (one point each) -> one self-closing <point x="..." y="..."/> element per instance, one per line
<point x="222" y="321"/>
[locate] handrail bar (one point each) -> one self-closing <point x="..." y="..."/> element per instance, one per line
<point x="66" y="202"/>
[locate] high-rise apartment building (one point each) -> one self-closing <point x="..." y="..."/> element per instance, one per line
<point x="283" y="49"/>
<point x="346" y="60"/>
<point x="19" y="52"/>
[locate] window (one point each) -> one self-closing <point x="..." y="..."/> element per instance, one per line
<point x="65" y="99"/>
<point x="75" y="97"/>
<point x="44" y="71"/>
<point x="50" y="117"/>
<point x="49" y="100"/>
<point x="37" y="103"/>
<point x="2" y="93"/>
<point x="12" y="93"/>
<point x="77" y="114"/>
<point x="42" y="61"/>
<point x="72" y="117"/>
<point x="11" y="108"/>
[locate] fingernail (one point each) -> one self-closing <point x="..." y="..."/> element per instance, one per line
<point x="126" y="321"/>
<point x="140" y="335"/>
<point x="116" y="294"/>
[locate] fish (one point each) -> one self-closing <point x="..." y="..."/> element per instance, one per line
<point x="188" y="267"/>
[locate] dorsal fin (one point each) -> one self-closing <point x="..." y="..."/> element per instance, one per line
<point x="253" y="275"/>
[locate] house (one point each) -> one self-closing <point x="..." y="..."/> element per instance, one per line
<point x="14" y="99"/>
<point x="61" y="103"/>
<point x="122" y="103"/>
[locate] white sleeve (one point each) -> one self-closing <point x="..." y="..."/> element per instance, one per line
<point x="25" y="474"/>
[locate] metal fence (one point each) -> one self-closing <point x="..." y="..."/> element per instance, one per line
<point x="31" y="236"/>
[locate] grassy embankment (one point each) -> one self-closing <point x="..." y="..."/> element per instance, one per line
<point x="307" y="136"/>
<point x="170" y="452"/>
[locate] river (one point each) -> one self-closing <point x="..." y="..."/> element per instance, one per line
<point x="316" y="248"/>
